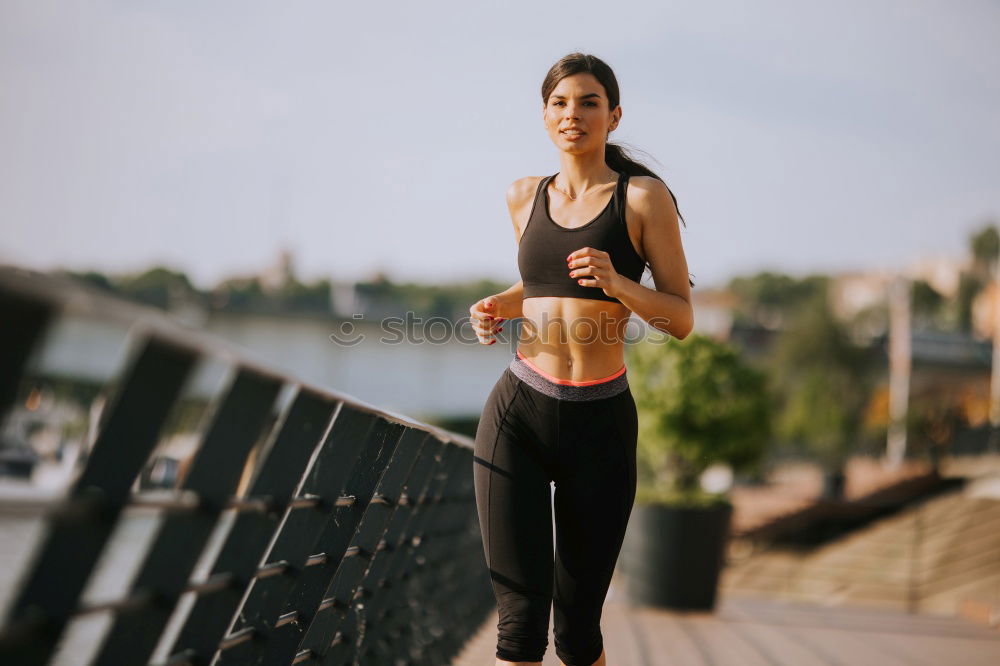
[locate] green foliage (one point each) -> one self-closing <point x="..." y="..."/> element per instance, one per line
<point x="299" y="296"/>
<point x="92" y="278"/>
<point x="238" y="294"/>
<point x="161" y="286"/>
<point x="928" y="305"/>
<point x="156" y="286"/>
<point x="451" y="301"/>
<point x="698" y="404"/>
<point x="767" y="298"/>
<point x="822" y="383"/>
<point x="969" y="286"/>
<point x="984" y="246"/>
<point x="249" y="294"/>
<point x="695" y="497"/>
<point x="185" y="416"/>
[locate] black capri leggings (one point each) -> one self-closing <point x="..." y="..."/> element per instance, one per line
<point x="536" y="429"/>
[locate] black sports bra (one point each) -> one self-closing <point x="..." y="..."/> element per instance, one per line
<point x="544" y="246"/>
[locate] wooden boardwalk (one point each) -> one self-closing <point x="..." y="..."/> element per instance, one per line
<point x="745" y="631"/>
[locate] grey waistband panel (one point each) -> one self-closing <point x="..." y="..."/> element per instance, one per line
<point x="529" y="376"/>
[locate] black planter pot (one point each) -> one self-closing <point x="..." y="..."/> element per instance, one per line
<point x="672" y="556"/>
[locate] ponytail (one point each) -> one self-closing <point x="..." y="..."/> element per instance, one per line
<point x="619" y="159"/>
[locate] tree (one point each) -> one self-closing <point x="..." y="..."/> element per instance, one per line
<point x="985" y="248"/>
<point x="767" y="299"/>
<point x="822" y="382"/>
<point x="928" y="305"/>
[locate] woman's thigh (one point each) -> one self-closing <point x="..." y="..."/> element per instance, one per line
<point x="513" y="492"/>
<point x="514" y="503"/>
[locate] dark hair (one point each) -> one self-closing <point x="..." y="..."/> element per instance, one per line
<point x="615" y="155"/>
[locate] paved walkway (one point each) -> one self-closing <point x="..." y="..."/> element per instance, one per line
<point x="754" y="632"/>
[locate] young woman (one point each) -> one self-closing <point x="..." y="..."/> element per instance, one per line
<point x="562" y="411"/>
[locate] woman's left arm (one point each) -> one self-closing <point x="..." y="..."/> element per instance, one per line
<point x="668" y="307"/>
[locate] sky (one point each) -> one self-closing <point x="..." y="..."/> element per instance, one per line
<point x="382" y="137"/>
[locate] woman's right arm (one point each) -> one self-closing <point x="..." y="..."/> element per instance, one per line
<point x="489" y="313"/>
<point x="520" y="195"/>
<point x="509" y="301"/>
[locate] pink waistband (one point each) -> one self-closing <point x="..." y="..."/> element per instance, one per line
<point x="568" y="382"/>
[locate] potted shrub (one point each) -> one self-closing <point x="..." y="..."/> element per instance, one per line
<point x="699" y="404"/>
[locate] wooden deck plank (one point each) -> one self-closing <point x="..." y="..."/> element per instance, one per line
<point x="753" y="632"/>
<point x="669" y="643"/>
<point x="722" y="644"/>
<point x="623" y="635"/>
<point x="851" y="648"/>
<point x="850" y="618"/>
<point x="780" y="647"/>
<point x="943" y="650"/>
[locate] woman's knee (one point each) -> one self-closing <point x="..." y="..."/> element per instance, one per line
<point x="523" y="627"/>
<point x="577" y="627"/>
<point x="579" y="646"/>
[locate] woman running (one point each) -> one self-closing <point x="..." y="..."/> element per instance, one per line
<point x="562" y="411"/>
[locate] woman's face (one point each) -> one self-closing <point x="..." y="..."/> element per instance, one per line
<point x="578" y="102"/>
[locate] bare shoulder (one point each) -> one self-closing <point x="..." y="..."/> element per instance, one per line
<point x="521" y="191"/>
<point x="520" y="195"/>
<point x="650" y="199"/>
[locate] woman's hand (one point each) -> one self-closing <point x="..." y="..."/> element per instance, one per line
<point x="593" y="268"/>
<point x="486" y="319"/>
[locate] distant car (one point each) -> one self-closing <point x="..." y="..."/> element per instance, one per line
<point x="162" y="473"/>
<point x="17" y="458"/>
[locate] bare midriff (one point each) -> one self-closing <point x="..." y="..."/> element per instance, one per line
<point x="576" y="339"/>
